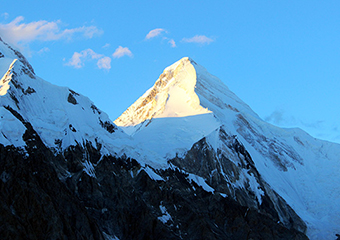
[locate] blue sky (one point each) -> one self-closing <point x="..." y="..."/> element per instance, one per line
<point x="280" y="57"/>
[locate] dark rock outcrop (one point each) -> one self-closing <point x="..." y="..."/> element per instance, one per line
<point x="34" y="203"/>
<point x="223" y="170"/>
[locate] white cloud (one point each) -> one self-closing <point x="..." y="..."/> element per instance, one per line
<point x="104" y="63"/>
<point x="154" y="33"/>
<point x="200" y="39"/>
<point x="172" y="43"/>
<point x="78" y="59"/>
<point x="122" y="51"/>
<point x="17" y="32"/>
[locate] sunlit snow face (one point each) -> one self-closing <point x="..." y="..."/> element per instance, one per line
<point x="4" y="86"/>
<point x="4" y="82"/>
<point x="172" y="96"/>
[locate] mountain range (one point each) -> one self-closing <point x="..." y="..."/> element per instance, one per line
<point x="187" y="160"/>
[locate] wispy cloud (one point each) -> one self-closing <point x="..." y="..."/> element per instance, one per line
<point x="280" y="118"/>
<point x="19" y="33"/>
<point x="172" y="43"/>
<point x="277" y="117"/>
<point x="107" y="45"/>
<point x="43" y="50"/>
<point x="200" y="39"/>
<point x="154" y="33"/>
<point x="121" y="52"/>
<point x="318" y="128"/>
<point x="5" y="15"/>
<point x="79" y="58"/>
<point x="157" y="32"/>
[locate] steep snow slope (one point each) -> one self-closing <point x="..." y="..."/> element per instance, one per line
<point x="187" y="103"/>
<point x="60" y="116"/>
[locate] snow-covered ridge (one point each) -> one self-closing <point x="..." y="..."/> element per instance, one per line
<point x="59" y="115"/>
<point x="4" y="82"/>
<point x="9" y="53"/>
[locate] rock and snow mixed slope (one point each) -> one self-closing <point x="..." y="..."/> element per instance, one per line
<point x="61" y="175"/>
<point x="187" y="104"/>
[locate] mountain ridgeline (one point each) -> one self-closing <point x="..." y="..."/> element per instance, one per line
<point x="187" y="160"/>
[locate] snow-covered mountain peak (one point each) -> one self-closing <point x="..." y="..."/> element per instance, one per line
<point x="183" y="89"/>
<point x="173" y="95"/>
<point x="187" y="104"/>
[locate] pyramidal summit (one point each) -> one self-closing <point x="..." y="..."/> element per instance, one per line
<point x="187" y="160"/>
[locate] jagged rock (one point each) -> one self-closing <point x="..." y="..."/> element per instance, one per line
<point x="223" y="170"/>
<point x="34" y="203"/>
